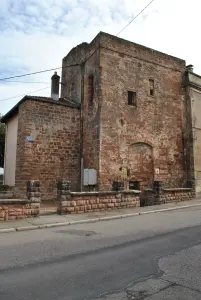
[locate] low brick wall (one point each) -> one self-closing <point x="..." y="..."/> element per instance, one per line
<point x="17" y="209"/>
<point x="162" y="195"/>
<point x="73" y="202"/>
<point x="175" y="195"/>
<point x="14" y="209"/>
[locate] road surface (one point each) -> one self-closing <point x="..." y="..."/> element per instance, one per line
<point x="154" y="256"/>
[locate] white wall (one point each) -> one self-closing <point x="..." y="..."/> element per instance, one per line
<point x="10" y="151"/>
<point x="196" y="120"/>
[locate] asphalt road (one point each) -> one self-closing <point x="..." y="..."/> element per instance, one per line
<point x="155" y="256"/>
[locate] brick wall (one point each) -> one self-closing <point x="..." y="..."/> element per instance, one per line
<point x="91" y="113"/>
<point x="148" y="136"/>
<point x="75" y="203"/>
<point x="97" y="201"/>
<point x="143" y="142"/>
<point x="151" y="197"/>
<point x="54" y="152"/>
<point x="175" y="195"/>
<point x="82" y="84"/>
<point x="15" y="209"/>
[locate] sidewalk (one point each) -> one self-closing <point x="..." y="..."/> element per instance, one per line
<point x="55" y="220"/>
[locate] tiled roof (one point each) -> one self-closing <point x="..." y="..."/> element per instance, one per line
<point x="62" y="102"/>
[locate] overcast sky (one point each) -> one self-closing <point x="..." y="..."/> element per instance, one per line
<point x="37" y="34"/>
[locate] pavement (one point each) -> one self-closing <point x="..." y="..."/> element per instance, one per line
<point x="55" y="220"/>
<point x="151" y="257"/>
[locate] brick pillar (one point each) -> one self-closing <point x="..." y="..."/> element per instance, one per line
<point x="157" y="187"/>
<point x="33" y="196"/>
<point x="63" y="195"/>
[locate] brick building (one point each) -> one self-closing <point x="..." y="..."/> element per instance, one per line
<point x="42" y="142"/>
<point x="132" y="110"/>
<point x="125" y="110"/>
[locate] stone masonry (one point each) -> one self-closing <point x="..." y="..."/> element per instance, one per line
<point x="75" y="202"/>
<point x="138" y="141"/>
<point x="54" y="151"/>
<point x="175" y="195"/>
<point x="128" y="117"/>
<point x="15" y="209"/>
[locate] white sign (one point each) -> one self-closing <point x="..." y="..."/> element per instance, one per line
<point x="29" y="138"/>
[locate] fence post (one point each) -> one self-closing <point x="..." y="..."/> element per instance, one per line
<point x="63" y="195"/>
<point x="33" y="196"/>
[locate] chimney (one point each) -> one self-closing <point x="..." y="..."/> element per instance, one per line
<point x="189" y="68"/>
<point x="55" y="86"/>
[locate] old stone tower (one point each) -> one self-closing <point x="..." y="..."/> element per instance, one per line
<point x="132" y="111"/>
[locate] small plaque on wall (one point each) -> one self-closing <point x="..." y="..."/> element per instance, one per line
<point x="29" y="138"/>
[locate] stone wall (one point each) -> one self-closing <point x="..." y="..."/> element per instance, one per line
<point x="91" y="113"/>
<point x="175" y="195"/>
<point x="75" y="203"/>
<point x="150" y="132"/>
<point x="121" y="141"/>
<point x="82" y="84"/>
<point x="53" y="152"/>
<point x="161" y="195"/>
<point x="15" y="209"/>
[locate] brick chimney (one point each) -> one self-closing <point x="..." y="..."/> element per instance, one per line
<point x="189" y="68"/>
<point x="55" y="86"/>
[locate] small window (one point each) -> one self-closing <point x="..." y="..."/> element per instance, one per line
<point x="90" y="90"/>
<point x="151" y="87"/>
<point x="132" y="98"/>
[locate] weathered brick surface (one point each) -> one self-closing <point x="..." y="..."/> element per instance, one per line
<point x="22" y="209"/>
<point x="54" y="152"/>
<point x="91" y="113"/>
<point x="97" y="203"/>
<point x="149" y="136"/>
<point x="128" y="141"/>
<point x="11" y="211"/>
<point x="151" y="197"/>
<point x="175" y="195"/>
<point x="74" y="202"/>
<point x="82" y="85"/>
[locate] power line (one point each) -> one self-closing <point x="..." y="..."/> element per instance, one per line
<point x="26" y="81"/>
<point x="38" y="72"/>
<point x="72" y="65"/>
<point x="25" y="94"/>
<point x="134" y="17"/>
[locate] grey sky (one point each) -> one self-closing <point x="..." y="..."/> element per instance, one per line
<point x="37" y="34"/>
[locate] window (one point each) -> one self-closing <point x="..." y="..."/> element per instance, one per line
<point x="132" y="98"/>
<point x="90" y="89"/>
<point x="151" y="87"/>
